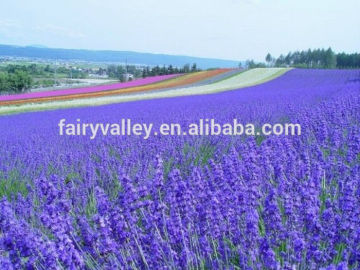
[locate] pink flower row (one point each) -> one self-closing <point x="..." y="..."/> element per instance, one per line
<point x="89" y="89"/>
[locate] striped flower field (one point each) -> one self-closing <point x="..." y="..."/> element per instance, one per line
<point x="191" y="84"/>
<point x="147" y="84"/>
<point x="77" y="91"/>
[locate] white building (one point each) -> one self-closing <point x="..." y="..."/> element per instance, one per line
<point x="128" y="77"/>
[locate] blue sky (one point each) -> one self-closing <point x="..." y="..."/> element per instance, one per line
<point x="229" y="29"/>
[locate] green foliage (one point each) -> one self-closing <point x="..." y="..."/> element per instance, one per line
<point x="12" y="185"/>
<point x="168" y="165"/>
<point x="194" y="68"/>
<point x="45" y="83"/>
<point x="4" y="82"/>
<point x="155" y="71"/>
<point x="15" y="81"/>
<point x="71" y="177"/>
<point x="91" y="205"/>
<point x="339" y="255"/>
<point x="348" y="60"/>
<point x="261" y="226"/>
<point x="114" y="71"/>
<point x="205" y="152"/>
<point x="282" y="248"/>
<point x="259" y="139"/>
<point x="269" y="59"/>
<point x="252" y="64"/>
<point x="319" y="58"/>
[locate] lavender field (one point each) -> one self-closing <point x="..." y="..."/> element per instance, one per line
<point x="189" y="202"/>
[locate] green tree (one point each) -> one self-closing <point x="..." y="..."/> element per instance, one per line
<point x="47" y="68"/>
<point x="330" y="59"/>
<point x="193" y="68"/>
<point x="120" y="72"/>
<point x="268" y="59"/>
<point x="20" y="81"/>
<point x="186" y="68"/>
<point x="170" y="70"/>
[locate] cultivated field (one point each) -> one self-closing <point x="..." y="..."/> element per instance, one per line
<point x="188" y="202"/>
<point x="204" y="82"/>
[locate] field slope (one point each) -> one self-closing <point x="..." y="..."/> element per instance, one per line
<point x="248" y="78"/>
<point x="140" y="85"/>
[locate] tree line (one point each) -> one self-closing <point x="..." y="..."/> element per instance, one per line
<point x="118" y="71"/>
<point x="348" y="60"/>
<point x="318" y="58"/>
<point x="166" y="70"/>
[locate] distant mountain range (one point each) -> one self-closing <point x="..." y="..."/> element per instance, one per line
<point x="43" y="52"/>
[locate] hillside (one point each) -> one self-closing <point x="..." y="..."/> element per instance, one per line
<point x="112" y="56"/>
